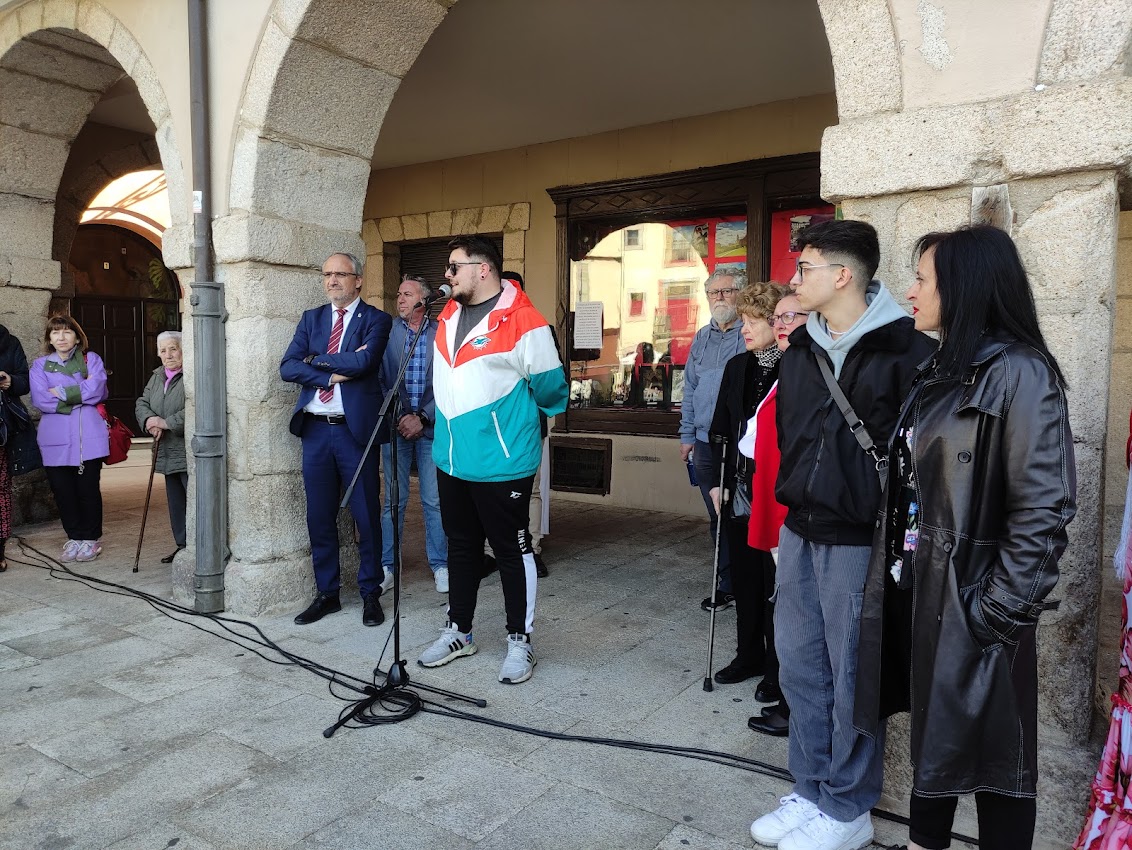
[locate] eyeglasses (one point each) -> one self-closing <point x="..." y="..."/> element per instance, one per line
<point x="722" y="293"/>
<point x="786" y="318"/>
<point x="451" y="268"/>
<point x="805" y="267"/>
<point x="338" y="275"/>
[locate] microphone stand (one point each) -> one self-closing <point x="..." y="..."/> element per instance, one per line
<point x="397" y="688"/>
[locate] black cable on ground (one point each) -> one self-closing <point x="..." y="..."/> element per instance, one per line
<point x="399" y="703"/>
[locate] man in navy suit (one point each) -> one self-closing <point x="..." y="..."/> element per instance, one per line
<point x="335" y="358"/>
<point x="414" y="427"/>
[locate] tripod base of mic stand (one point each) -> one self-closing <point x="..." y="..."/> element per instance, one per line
<point x="397" y="677"/>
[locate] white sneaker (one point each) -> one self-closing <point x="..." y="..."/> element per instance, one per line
<point x="88" y="550"/>
<point x="793" y="812"/>
<point x="825" y="833"/>
<point x="70" y="549"/>
<point x="451" y="644"/>
<point x="441" y="579"/>
<point x="520" y="661"/>
<point x="387" y="582"/>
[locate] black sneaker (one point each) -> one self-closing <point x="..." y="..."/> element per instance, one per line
<point x="540" y="568"/>
<point x="722" y="600"/>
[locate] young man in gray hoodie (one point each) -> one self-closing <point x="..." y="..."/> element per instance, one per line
<point x="831" y="489"/>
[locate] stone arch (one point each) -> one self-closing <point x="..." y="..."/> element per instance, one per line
<point x="321" y="81"/>
<point x="65" y="54"/>
<point x="871" y="80"/>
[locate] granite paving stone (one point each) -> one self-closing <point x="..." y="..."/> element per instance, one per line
<point x="26" y="773"/>
<point x="569" y="818"/>
<point x="148" y="729"/>
<point x="66" y="639"/>
<point x="467" y="793"/>
<point x="122" y="802"/>
<point x="165" y="676"/>
<point x="381" y="825"/>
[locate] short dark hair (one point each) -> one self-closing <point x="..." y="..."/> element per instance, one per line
<point x="849" y="240"/>
<point x="60" y="321"/>
<point x="982" y="287"/>
<point x="479" y="248"/>
<point x="515" y="276"/>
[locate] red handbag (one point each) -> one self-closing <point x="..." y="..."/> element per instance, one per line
<point x="120" y="435"/>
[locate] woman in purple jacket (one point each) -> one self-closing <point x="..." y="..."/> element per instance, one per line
<point x="66" y="384"/>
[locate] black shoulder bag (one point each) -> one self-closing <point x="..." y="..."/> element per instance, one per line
<point x="854" y="421"/>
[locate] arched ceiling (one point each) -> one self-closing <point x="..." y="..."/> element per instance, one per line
<point x="499" y="74"/>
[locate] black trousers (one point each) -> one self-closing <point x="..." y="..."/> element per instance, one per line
<point x="496" y="511"/>
<point x="752" y="583"/>
<point x="78" y="498"/>
<point x="176" y="493"/>
<point x="1005" y="823"/>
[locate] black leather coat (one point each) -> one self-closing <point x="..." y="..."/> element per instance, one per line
<point x="992" y="457"/>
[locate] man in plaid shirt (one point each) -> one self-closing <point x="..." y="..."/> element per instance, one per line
<point x="414" y="427"/>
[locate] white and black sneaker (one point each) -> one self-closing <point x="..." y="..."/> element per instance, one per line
<point x="451" y="644"/>
<point x="520" y="661"/>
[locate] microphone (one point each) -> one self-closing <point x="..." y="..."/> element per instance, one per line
<point x="442" y="291"/>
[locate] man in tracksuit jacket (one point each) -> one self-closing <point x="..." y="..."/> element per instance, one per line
<point x="831" y="490"/>
<point x="494" y="369"/>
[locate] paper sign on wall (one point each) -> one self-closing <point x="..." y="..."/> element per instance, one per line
<point x="587" y="324"/>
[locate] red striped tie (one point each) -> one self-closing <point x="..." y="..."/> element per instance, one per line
<point x="326" y="396"/>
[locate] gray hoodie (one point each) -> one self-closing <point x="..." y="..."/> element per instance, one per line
<point x="882" y="309"/>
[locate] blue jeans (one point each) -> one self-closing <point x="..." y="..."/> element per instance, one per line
<point x="817" y="619"/>
<point x="436" y="544"/>
<point x="702" y="463"/>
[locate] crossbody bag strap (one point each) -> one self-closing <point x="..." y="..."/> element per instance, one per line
<point x="856" y="426"/>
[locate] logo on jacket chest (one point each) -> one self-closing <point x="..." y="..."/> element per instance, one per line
<point x="480" y="342"/>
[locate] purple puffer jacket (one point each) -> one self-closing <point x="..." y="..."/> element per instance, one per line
<point x="81" y="434"/>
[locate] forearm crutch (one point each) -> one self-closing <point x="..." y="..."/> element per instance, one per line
<point x="722" y="443"/>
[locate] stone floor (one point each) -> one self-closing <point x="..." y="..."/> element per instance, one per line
<point x="125" y="729"/>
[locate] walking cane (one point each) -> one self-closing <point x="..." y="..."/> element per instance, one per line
<point x="722" y="442"/>
<point x="148" y="493"/>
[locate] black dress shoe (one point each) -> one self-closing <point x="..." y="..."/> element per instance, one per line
<point x="777" y="708"/>
<point x="768" y="691"/>
<point x="722" y="600"/>
<point x="540" y="568"/>
<point x="324" y="603"/>
<point x="168" y="559"/>
<point x="736" y="672"/>
<point x="372" y="615"/>
<point x="776" y="725"/>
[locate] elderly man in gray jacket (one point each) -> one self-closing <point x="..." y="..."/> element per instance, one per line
<point x="715" y="343"/>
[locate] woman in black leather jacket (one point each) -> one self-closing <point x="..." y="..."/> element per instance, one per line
<point x="981" y="488"/>
<point x="14" y="423"/>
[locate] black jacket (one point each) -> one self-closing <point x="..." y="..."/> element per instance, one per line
<point x="828" y="484"/>
<point x="992" y="458"/>
<point x="21" y="451"/>
<point x="745" y="383"/>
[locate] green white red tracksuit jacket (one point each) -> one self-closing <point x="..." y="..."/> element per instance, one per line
<point x="490" y="390"/>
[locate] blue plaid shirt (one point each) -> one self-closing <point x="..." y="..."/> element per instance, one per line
<point x="417" y="371"/>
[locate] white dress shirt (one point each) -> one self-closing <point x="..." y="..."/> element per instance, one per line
<point x="334" y="406"/>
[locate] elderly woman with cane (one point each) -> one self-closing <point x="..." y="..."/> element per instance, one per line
<point x="161" y="413"/>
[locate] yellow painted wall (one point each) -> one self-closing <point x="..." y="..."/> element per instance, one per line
<point x="524" y="174"/>
<point x="647" y="472"/>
